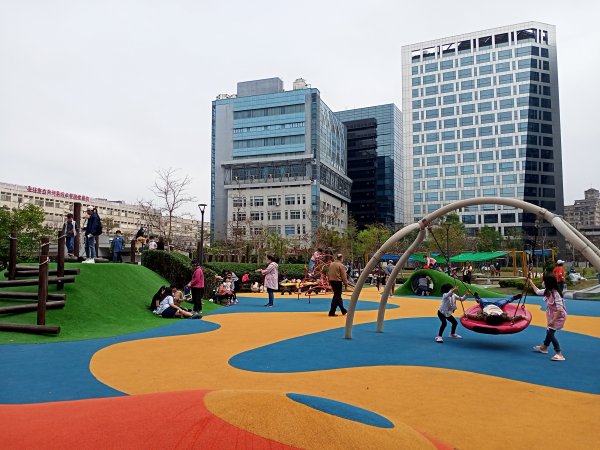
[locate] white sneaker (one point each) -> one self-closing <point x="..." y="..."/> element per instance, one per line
<point x="92" y="261"/>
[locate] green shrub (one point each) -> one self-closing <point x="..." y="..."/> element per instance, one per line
<point x="176" y="268"/>
<point x="285" y="270"/>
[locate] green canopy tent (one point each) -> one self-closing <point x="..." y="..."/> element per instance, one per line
<point x="477" y="256"/>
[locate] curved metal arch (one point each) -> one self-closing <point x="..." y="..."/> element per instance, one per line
<point x="583" y="245"/>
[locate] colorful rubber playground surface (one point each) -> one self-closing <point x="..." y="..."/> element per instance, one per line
<point x="250" y="377"/>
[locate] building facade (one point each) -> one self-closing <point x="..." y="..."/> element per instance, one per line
<point x="375" y="164"/>
<point x="114" y="214"/>
<point x="585" y="213"/>
<point x="482" y="118"/>
<point x="278" y="163"/>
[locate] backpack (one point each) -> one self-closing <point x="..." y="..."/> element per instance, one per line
<point x="99" y="228"/>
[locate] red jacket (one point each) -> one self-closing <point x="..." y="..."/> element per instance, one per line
<point x="197" y="278"/>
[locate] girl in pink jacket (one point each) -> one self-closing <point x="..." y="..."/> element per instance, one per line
<point x="556" y="314"/>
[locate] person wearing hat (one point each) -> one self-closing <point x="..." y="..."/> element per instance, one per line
<point x="91" y="230"/>
<point x="559" y="274"/>
<point x="197" y="286"/>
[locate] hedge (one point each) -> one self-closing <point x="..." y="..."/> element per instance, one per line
<point x="285" y="270"/>
<point x="176" y="268"/>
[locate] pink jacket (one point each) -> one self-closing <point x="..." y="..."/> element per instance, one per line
<point x="555" y="307"/>
<point x="197" y="278"/>
<point x="271" y="274"/>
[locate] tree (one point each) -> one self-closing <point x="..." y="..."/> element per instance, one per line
<point x="488" y="239"/>
<point x="26" y="221"/>
<point x="171" y="192"/>
<point x="450" y="236"/>
<point x="372" y="238"/>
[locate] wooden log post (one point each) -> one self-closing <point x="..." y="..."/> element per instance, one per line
<point x="12" y="256"/>
<point x="26" y="328"/>
<point x="132" y="254"/>
<point x="60" y="259"/>
<point x="77" y="219"/>
<point x="30" y="307"/>
<point x="43" y="281"/>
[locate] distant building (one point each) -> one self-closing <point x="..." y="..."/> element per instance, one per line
<point x="278" y="163"/>
<point x="482" y="118"/>
<point x="585" y="213"/>
<point x="114" y="214"/>
<point x="375" y="164"/>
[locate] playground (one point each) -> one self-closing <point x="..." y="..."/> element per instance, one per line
<point x="285" y="377"/>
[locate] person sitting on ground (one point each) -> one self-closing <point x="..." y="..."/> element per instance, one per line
<point x="168" y="307"/>
<point x="491" y="310"/>
<point x="158" y="297"/>
<point x="224" y="293"/>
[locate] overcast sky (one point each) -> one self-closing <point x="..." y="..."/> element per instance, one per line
<point x="95" y="96"/>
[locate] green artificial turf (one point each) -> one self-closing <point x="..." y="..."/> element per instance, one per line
<point x="105" y="300"/>
<point x="439" y="279"/>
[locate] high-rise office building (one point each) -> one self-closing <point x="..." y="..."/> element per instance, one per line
<point x="374" y="142"/>
<point x="482" y="118"/>
<point x="278" y="163"/>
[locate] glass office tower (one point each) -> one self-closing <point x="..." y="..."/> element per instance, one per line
<point x="374" y="142"/>
<point x="482" y="118"/>
<point x="278" y="163"/>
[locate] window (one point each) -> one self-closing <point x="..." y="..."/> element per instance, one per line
<point x="450" y="123"/>
<point x="465" y="73"/>
<point x="488" y="143"/>
<point x="484" y="82"/>
<point x="488" y="168"/>
<point x="467" y="170"/>
<point x="450" y="171"/>
<point x="528" y="89"/>
<point x="486" y="131"/>
<point x="449" y="159"/>
<point x="448" y="111"/>
<point x="289" y="230"/>
<point x="417" y="173"/>
<point x="257" y="201"/>
<point x="445" y="88"/>
<point x="502" y="67"/>
<point x="469" y="182"/>
<point x="484" y="106"/>
<point x="417" y="127"/>
<point x="505" y="79"/>
<point x="274" y="215"/>
<point x="447" y="76"/>
<point x="239" y="202"/>
<point x="468" y="193"/>
<point x="506" y="103"/>
<point x="450" y="147"/>
<point x="433" y="160"/>
<point x="431" y="90"/>
<point x="431" y="125"/>
<point x="468" y="84"/>
<point x="546" y="103"/>
<point x="504" y="116"/>
<point x="416" y="162"/>
<point x="486" y="70"/>
<point x="466" y="121"/>
<point x="432" y="113"/>
<point x="447" y="135"/>
<point x="447" y="64"/>
<point x="503" y="91"/>
<point x="449" y="99"/>
<point x="416" y="104"/>
<point x="451" y="195"/>
<point x="465" y="97"/>
<point x="506" y="167"/>
<point x="295" y="215"/>
<point x="486" y="93"/>
<point x="507" y="128"/>
<point x="468" y="109"/>
<point x="290" y="199"/>
<point x="418" y="197"/>
<point x="486" y="156"/>
<point x="417" y="150"/>
<point x="505" y="141"/>
<point x="487" y="180"/>
<point x="415" y="82"/>
<point x="508" y="179"/>
<point x="467" y="145"/>
<point x="428" y="79"/>
<point x="415" y="115"/>
<point x="487" y="118"/>
<point x="256" y="215"/>
<point x="469" y="133"/>
<point x="433" y="184"/>
<point x="508" y="218"/>
<point x="431" y="173"/>
<point x="432" y="196"/>
<point x="485" y="57"/>
<point x="490" y="218"/>
<point x="272" y="201"/>
<point x="504" y="54"/>
<point x="466" y="61"/>
<point x="469" y="219"/>
<point x="508" y="153"/>
<point x="429" y="102"/>
<point x="430" y="148"/>
<point x="431" y="67"/>
<point x="415" y="70"/>
<point x="449" y="183"/>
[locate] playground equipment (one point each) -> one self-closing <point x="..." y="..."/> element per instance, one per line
<point x="579" y="242"/>
<point x="44" y="299"/>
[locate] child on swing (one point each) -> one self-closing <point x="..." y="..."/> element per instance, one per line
<point x="447" y="307"/>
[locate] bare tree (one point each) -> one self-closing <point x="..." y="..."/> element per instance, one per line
<point x="171" y="191"/>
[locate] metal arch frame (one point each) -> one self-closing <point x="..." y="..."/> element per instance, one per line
<point x="579" y="242"/>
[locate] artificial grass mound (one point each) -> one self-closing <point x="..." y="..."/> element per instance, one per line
<point x="439" y="279"/>
<point x="105" y="300"/>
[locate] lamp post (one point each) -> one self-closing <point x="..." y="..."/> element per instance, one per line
<point x="202" y="207"/>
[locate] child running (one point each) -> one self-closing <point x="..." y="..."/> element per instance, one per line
<point x="447" y="307"/>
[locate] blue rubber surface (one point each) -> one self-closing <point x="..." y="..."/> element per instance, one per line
<point x="36" y="373"/>
<point x="343" y="410"/>
<point x="410" y="342"/>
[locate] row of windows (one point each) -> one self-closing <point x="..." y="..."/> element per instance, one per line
<point x="467" y="193"/>
<point x="268" y="142"/>
<point x="270" y="215"/>
<point x="452" y="183"/>
<point x="272" y="111"/>
<point x="451" y="75"/>
<point x="529" y="100"/>
<point x="273" y="229"/>
<point x="504" y="141"/>
<point x="483" y="131"/>
<point x="449" y="51"/>
<point x="279" y="126"/>
<point x="431" y="161"/>
<point x="272" y="200"/>
<point x="508" y="153"/>
<point x="467" y="120"/>
<point x="448" y="88"/>
<point x="471" y="169"/>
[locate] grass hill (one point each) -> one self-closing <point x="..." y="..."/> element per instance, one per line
<point x="105" y="300"/>
<point x="439" y="279"/>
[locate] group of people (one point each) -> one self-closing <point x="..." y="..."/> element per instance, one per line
<point x="168" y="303"/>
<point x="91" y="230"/>
<point x="491" y="312"/>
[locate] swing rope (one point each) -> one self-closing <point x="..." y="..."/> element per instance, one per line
<point x="529" y="269"/>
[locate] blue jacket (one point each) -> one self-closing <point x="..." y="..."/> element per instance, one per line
<point x="118" y="244"/>
<point x="92" y="225"/>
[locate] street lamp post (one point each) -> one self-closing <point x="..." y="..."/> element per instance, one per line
<point x="202" y="207"/>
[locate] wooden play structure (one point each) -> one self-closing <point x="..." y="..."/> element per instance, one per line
<point x="19" y="276"/>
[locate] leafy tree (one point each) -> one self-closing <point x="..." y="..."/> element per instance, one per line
<point x="26" y="221"/>
<point x="488" y="239"/>
<point x="450" y="234"/>
<point x="372" y="238"/>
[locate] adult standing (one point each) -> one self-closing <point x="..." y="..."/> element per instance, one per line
<point x="559" y="273"/>
<point x="140" y="239"/>
<point x="467" y="272"/>
<point x="271" y="274"/>
<point x="337" y="276"/>
<point x="70" y="231"/>
<point x="92" y="229"/>
<point x="197" y="286"/>
<point x="389" y="269"/>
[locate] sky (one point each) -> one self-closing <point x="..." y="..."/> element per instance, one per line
<point x="95" y="97"/>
